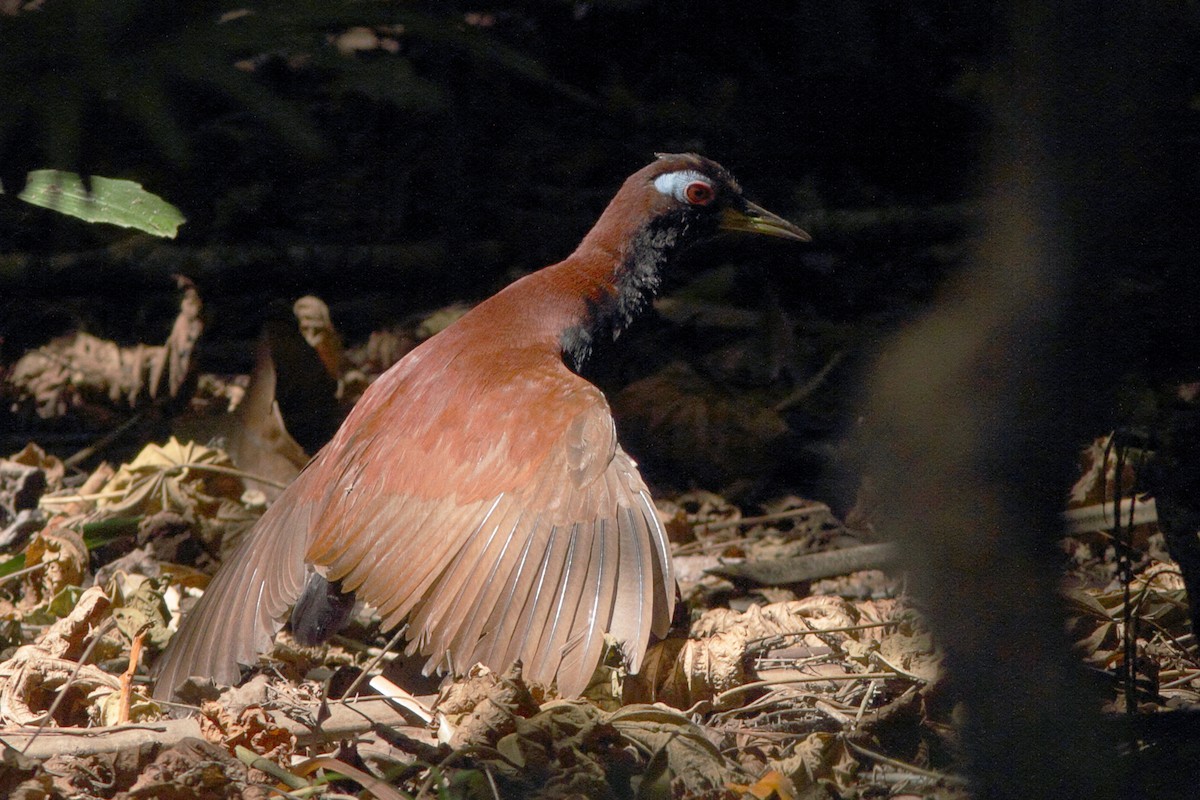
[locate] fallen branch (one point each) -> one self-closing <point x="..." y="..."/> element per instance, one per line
<point x="782" y="571"/>
<point x="345" y="720"/>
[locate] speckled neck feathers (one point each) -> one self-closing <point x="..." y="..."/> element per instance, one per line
<point x="624" y="256"/>
<point x="631" y="288"/>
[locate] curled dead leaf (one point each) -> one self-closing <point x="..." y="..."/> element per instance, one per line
<point x="52" y="466"/>
<point x="912" y="653"/>
<point x="175" y="476"/>
<point x="482" y="707"/>
<point x="779" y="619"/>
<point x="691" y="427"/>
<point x="83" y="373"/>
<point x="822" y="758"/>
<point x="36" y="681"/>
<point x="37" y="672"/>
<point x="683" y="672"/>
<point x="694" y="762"/>
<point x="68" y="637"/>
<point x="719" y="655"/>
<point x="316" y="327"/>
<point x="251" y="728"/>
<point x="175" y="357"/>
<point x="63" y="558"/>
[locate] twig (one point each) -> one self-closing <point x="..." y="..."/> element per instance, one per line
<point x="79" y="498"/>
<point x="104" y="441"/>
<point x="1187" y="677"/>
<point x="62" y="692"/>
<point x="878" y="658"/>
<point x="237" y="473"/>
<point x="811" y="566"/>
<point x="692" y="548"/>
<point x="901" y="765"/>
<point x="792" y="513"/>
<point x="812" y="384"/>
<point x="749" y="687"/>
<point x="25" y="571"/>
<point x="135" y="655"/>
<point x="844" y="629"/>
<point x="344" y="722"/>
<point x="374" y="662"/>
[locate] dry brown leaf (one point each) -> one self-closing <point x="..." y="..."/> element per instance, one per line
<point x="29" y="692"/>
<point x="482" y="707"/>
<point x="175" y="476"/>
<point x="317" y="329"/>
<point x="52" y="466"/>
<point x="778" y="619"/>
<point x="695" y="762"/>
<point x="718" y="656"/>
<point x="38" y="671"/>
<point x="175" y="357"/>
<point x="695" y="428"/>
<point x="660" y="679"/>
<point x="820" y="758"/>
<point x="683" y="672"/>
<point x="914" y="653"/>
<point x="67" y="637"/>
<point x="251" y="728"/>
<point x="65" y="559"/>
<point x="21" y="488"/>
<point x="81" y="373"/>
<point x="196" y="769"/>
<point x="140" y="609"/>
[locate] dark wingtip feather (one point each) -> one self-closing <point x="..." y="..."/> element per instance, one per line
<point x="243" y="607"/>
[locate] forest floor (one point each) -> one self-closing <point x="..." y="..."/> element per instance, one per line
<point x="798" y="669"/>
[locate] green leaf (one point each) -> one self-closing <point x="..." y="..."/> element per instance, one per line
<point x="117" y="202"/>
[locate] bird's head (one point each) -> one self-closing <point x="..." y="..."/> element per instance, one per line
<point x="699" y="197"/>
<point x="662" y="209"/>
<point x="676" y="201"/>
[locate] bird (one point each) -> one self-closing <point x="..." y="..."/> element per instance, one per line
<point x="477" y="491"/>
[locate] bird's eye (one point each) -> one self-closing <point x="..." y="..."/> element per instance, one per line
<point x="699" y="193"/>
<point x="686" y="186"/>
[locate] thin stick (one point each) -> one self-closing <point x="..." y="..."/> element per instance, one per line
<point x="748" y="687"/>
<point x="373" y="663"/>
<point x="238" y="473"/>
<point x="901" y="765"/>
<point x="781" y="515"/>
<point x="100" y="633"/>
<point x="24" y="571"/>
<point x="812" y="384"/>
<point x="844" y="629"/>
<point x="104" y="441"/>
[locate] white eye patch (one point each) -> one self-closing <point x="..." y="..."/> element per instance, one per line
<point x="675" y="184"/>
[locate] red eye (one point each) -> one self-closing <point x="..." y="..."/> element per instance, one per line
<point x="699" y="193"/>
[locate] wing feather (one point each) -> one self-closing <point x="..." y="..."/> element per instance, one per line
<point x="531" y="545"/>
<point x="267" y="567"/>
<point x="546" y="649"/>
<point x="585" y="641"/>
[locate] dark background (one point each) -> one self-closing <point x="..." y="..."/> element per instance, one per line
<point x="475" y="142"/>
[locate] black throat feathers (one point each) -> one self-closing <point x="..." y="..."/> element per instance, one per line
<point x="636" y="282"/>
